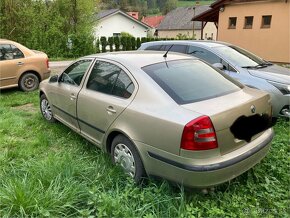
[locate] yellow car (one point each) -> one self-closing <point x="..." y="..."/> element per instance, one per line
<point x="22" y="67"/>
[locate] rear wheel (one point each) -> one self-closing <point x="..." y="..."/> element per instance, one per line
<point x="46" y="109"/>
<point x="28" y="82"/>
<point x="125" y="154"/>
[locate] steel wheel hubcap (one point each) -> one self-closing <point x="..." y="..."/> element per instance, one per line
<point x="45" y="109"/>
<point x="124" y="157"/>
<point x="29" y="82"/>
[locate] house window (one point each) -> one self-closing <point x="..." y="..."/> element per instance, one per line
<point x="249" y="22"/>
<point x="266" y="21"/>
<point x="116" y="34"/>
<point x="232" y="22"/>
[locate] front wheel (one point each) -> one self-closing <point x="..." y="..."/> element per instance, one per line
<point x="125" y="154"/>
<point x="45" y="109"/>
<point x="28" y="82"/>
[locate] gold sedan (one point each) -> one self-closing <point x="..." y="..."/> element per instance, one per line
<point x="22" y="67"/>
<point x="171" y="116"/>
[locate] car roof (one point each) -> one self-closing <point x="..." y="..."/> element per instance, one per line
<point x="140" y="58"/>
<point x="7" y="41"/>
<point x="205" y="43"/>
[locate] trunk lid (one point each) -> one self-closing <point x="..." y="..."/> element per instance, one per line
<point x="238" y="117"/>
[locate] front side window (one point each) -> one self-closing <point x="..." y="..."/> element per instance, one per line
<point x="188" y="81"/>
<point x="110" y="79"/>
<point x="266" y="21"/>
<point x="232" y="22"/>
<point x="10" y="52"/>
<point x="74" y="73"/>
<point x="239" y="57"/>
<point x="204" y="54"/>
<point x="249" y="22"/>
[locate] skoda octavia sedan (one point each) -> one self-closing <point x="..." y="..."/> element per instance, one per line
<point x="240" y="64"/>
<point x="22" y="67"/>
<point x="174" y="117"/>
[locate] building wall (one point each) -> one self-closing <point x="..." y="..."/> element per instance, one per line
<point x="210" y="31"/>
<point x="119" y="23"/>
<point x="272" y="43"/>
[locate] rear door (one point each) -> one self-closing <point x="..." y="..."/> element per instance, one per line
<point x="64" y="93"/>
<point x="109" y="89"/>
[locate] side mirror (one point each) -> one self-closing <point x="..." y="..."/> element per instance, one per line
<point x="53" y="79"/>
<point x="219" y="66"/>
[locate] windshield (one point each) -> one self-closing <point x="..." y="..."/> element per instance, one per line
<point x="188" y="81"/>
<point x="240" y="57"/>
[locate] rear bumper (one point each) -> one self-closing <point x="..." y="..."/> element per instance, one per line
<point x="46" y="74"/>
<point x="190" y="172"/>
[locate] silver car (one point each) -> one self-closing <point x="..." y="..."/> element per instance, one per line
<point x="240" y="64"/>
<point x="162" y="116"/>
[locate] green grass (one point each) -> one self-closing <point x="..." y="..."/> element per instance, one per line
<point x="47" y="170"/>
<point x="193" y="3"/>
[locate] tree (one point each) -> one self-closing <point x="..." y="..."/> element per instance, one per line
<point x="169" y="5"/>
<point x="49" y="25"/>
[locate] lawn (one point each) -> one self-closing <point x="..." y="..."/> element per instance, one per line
<point x="47" y="170"/>
<point x="193" y="3"/>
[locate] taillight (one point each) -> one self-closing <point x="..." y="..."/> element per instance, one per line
<point x="199" y="134"/>
<point x="47" y="63"/>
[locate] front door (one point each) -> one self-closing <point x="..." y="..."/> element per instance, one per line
<point x="64" y="93"/>
<point x="108" y="91"/>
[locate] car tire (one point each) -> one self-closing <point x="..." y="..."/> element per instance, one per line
<point x="125" y="154"/>
<point x="28" y="82"/>
<point x="45" y="109"/>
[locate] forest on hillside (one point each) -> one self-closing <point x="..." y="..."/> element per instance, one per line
<point x="147" y="7"/>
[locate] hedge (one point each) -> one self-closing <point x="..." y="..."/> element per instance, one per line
<point x="124" y="43"/>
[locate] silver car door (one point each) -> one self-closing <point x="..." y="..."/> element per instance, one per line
<point x="65" y="92"/>
<point x="109" y="89"/>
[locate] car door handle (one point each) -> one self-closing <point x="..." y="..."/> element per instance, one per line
<point x="73" y="97"/>
<point x="110" y="109"/>
<point x="20" y="63"/>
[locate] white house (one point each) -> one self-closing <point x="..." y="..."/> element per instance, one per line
<point x="113" y="22"/>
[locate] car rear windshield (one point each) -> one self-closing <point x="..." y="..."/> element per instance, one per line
<point x="188" y="81"/>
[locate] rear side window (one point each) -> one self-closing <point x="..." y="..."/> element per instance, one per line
<point x="174" y="48"/>
<point x="188" y="81"/>
<point x="10" y="52"/>
<point x="154" y="48"/>
<point x="204" y="54"/>
<point x="110" y="79"/>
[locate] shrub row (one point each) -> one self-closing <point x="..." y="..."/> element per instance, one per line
<point x="124" y="43"/>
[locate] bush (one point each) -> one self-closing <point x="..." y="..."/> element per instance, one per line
<point x="98" y="46"/>
<point x="143" y="39"/>
<point x="124" y="43"/>
<point x="138" y="42"/>
<point x="103" y="43"/>
<point x="133" y="43"/>
<point x="125" y="34"/>
<point x="128" y="44"/>
<point x="111" y="43"/>
<point x="117" y="43"/>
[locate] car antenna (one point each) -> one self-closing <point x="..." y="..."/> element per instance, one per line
<point x="165" y="55"/>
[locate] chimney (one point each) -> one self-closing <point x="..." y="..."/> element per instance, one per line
<point x="134" y="14"/>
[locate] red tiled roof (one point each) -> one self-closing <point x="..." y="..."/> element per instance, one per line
<point x="152" y="21"/>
